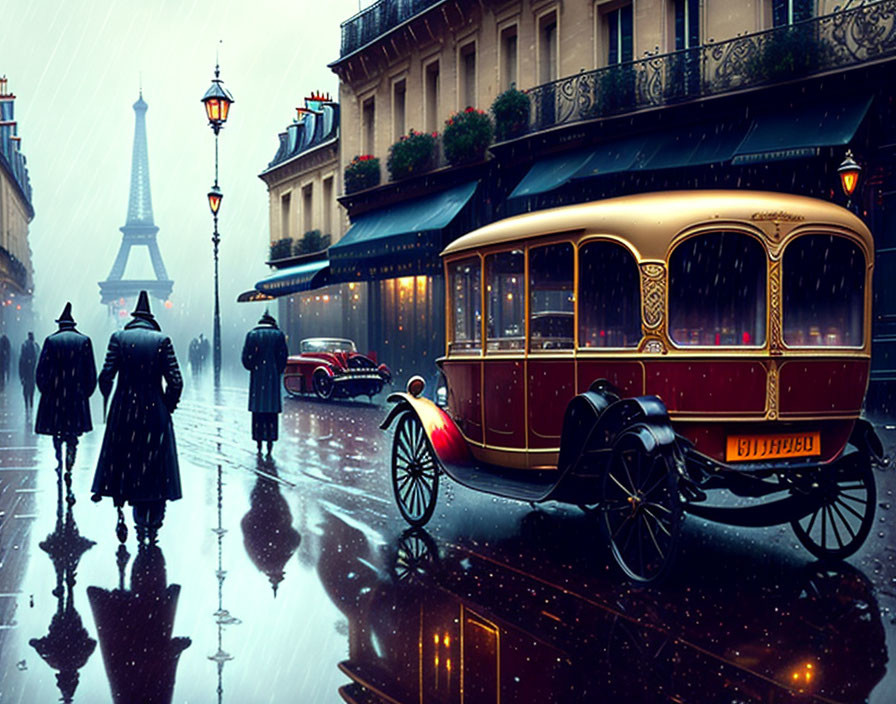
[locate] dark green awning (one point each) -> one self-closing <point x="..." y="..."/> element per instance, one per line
<point x="303" y="277"/>
<point x="802" y="132"/>
<point x="687" y="146"/>
<point x="400" y="240"/>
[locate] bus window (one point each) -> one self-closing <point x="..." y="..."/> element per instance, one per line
<point x="551" y="300"/>
<point x="609" y="296"/>
<point x="717" y="291"/>
<point x="466" y="306"/>
<point x="505" y="274"/>
<point x="824" y="288"/>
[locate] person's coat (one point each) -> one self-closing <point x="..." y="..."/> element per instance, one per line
<point x="264" y="355"/>
<point x="28" y="363"/>
<point x="5" y="359"/>
<point x="138" y="459"/>
<point x="66" y="378"/>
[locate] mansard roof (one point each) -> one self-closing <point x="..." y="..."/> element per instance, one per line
<point x="315" y="129"/>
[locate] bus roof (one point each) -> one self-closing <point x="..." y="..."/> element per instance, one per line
<point x="651" y="221"/>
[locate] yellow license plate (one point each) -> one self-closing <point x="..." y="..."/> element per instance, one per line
<point x="768" y="447"/>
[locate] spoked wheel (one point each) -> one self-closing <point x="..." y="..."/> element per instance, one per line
<point x="846" y="494"/>
<point x="416" y="556"/>
<point x="415" y="472"/>
<point x="323" y="384"/>
<point x="641" y="508"/>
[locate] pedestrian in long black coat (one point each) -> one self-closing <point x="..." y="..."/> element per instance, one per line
<point x="264" y="355"/>
<point x="5" y="360"/>
<point x="66" y="378"/>
<point x="138" y="459"/>
<point x="27" y="365"/>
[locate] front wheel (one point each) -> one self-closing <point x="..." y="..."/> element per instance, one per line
<point x="846" y="495"/>
<point x="415" y="472"/>
<point x="641" y="509"/>
<point x="323" y="384"/>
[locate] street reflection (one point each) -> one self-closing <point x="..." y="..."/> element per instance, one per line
<point x="134" y="627"/>
<point x="67" y="646"/>
<point x="479" y="620"/>
<point x="268" y="534"/>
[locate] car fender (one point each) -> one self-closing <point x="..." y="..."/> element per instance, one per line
<point x="444" y="436"/>
<point x="865" y="439"/>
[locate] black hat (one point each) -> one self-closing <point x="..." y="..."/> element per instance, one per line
<point x="267" y="319"/>
<point x="66" y="317"/>
<point x="142" y="310"/>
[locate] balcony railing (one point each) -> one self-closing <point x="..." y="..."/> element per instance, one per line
<point x="839" y="40"/>
<point x="378" y="19"/>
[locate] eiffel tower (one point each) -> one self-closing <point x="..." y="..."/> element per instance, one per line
<point x="116" y="291"/>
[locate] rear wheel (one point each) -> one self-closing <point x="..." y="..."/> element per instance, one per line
<point x="415" y="472"/>
<point x="323" y="384"/>
<point x="846" y="494"/>
<point x="641" y="509"/>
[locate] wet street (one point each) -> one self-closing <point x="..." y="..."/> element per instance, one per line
<point x="295" y="580"/>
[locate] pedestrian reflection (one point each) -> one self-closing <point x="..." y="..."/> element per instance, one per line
<point x="268" y="534"/>
<point x="477" y="621"/>
<point x="67" y="646"/>
<point x="134" y="628"/>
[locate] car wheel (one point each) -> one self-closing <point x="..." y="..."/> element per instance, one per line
<point x="323" y="384"/>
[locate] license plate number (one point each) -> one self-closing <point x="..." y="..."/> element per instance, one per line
<point x="742" y="448"/>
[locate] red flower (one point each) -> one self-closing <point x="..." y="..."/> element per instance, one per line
<point x="469" y="109"/>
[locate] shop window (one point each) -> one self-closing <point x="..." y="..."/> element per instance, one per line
<point x="431" y="97"/>
<point x="551" y="298"/>
<point x="466" y="305"/>
<point x="505" y="276"/>
<point x="824" y="292"/>
<point x="508" y="57"/>
<point x="717" y="291"/>
<point x="618" y="25"/>
<point x="609" y="296"/>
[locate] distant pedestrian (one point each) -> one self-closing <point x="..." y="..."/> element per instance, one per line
<point x="66" y="378"/>
<point x="203" y="351"/>
<point x="264" y="355"/>
<point x="5" y="360"/>
<point x="138" y="459"/>
<point x="194" y="356"/>
<point x="27" y="365"/>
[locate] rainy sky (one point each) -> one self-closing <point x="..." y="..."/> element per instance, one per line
<point x="76" y="67"/>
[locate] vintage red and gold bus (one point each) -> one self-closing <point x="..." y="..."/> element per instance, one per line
<point x="632" y="354"/>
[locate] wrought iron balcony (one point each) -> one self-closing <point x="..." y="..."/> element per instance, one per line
<point x="839" y="40"/>
<point x="376" y="20"/>
<point x="13" y="270"/>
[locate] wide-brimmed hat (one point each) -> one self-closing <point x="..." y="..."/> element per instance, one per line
<point x="66" y="317"/>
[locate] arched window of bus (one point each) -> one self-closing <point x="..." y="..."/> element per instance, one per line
<point x="717" y="291"/>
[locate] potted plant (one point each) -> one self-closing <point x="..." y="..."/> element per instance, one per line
<point x="362" y="172"/>
<point x="511" y="113"/>
<point x="466" y="136"/>
<point x="281" y="249"/>
<point x="312" y="241"/>
<point x="412" y="154"/>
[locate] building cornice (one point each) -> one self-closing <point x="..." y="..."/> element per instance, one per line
<point x="305" y="161"/>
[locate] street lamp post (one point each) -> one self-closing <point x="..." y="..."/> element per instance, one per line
<point x="217" y="100"/>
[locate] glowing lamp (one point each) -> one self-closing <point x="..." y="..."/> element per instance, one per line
<point x="217" y="101"/>
<point x="849" y="172"/>
<point x="214" y="199"/>
<point x="169" y="305"/>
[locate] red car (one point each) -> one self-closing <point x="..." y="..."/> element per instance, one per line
<point x="331" y="367"/>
